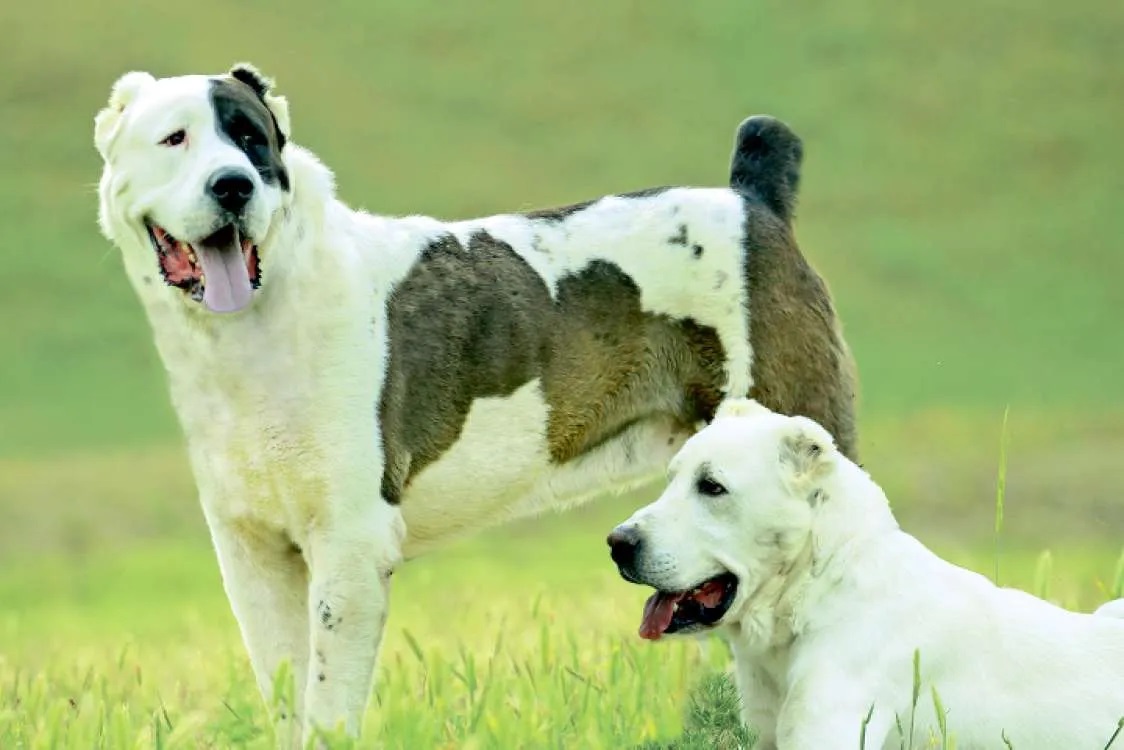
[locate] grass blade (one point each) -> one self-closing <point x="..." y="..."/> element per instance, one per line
<point x="1001" y="490"/>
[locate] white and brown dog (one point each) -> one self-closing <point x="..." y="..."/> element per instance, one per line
<point x="769" y="534"/>
<point x="356" y="389"/>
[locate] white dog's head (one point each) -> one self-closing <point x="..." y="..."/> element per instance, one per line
<point x="193" y="180"/>
<point x="736" y="516"/>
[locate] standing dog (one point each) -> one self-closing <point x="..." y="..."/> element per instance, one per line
<point x="768" y="532"/>
<point x="356" y="389"/>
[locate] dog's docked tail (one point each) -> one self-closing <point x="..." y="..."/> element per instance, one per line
<point x="766" y="163"/>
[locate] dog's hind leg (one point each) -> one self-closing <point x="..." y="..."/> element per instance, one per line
<point x="352" y="554"/>
<point x="266" y="580"/>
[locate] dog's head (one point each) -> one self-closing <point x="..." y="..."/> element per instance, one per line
<point x="193" y="180"/>
<point x="736" y="515"/>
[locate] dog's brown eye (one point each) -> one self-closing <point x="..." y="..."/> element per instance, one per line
<point x="710" y="488"/>
<point x="175" y="139"/>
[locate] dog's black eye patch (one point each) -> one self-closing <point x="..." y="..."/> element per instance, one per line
<point x="708" y="487"/>
<point x="244" y="131"/>
<point x="243" y="119"/>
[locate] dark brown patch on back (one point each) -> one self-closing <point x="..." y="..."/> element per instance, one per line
<point x="465" y="323"/>
<point x="477" y="321"/>
<point x="613" y="364"/>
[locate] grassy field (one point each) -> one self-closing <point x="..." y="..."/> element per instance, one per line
<point x="517" y="639"/>
<point x="961" y="193"/>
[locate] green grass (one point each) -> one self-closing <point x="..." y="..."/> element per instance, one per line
<point x="961" y="193"/>
<point x="518" y="639"/>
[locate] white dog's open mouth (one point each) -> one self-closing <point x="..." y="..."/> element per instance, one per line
<point x="702" y="607"/>
<point x="220" y="271"/>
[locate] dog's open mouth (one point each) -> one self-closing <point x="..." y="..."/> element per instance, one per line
<point x="220" y="270"/>
<point x="702" y="607"/>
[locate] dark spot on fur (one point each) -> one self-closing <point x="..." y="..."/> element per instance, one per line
<point x="324" y="611"/>
<point x="146" y="279"/>
<point x="697" y="250"/>
<point x="321" y="677"/>
<point x="680" y="237"/>
<point x="243" y="120"/>
<point x="720" y="280"/>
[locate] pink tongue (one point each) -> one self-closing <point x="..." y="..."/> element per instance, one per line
<point x="226" y="287"/>
<point x="658" y="611"/>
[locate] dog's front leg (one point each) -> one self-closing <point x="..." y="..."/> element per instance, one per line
<point x="760" y="697"/>
<point x="830" y="717"/>
<point x="266" y="581"/>
<point x="352" y="556"/>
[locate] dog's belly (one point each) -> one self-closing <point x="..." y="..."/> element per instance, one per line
<point x="500" y="468"/>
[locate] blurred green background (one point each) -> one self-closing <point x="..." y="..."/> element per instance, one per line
<point x="961" y="194"/>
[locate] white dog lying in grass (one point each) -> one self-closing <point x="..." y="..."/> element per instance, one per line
<point x="769" y="533"/>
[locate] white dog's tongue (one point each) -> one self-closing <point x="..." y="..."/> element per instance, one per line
<point x="658" y="612"/>
<point x="226" y="287"/>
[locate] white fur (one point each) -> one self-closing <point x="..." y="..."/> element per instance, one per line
<point x="278" y="401"/>
<point x="834" y="599"/>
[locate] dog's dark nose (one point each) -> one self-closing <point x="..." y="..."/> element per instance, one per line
<point x="623" y="544"/>
<point x="232" y="189"/>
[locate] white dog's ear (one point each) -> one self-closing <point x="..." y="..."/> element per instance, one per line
<point x="124" y="91"/>
<point x="263" y="87"/>
<point x="806" y="448"/>
<point x="740" y="407"/>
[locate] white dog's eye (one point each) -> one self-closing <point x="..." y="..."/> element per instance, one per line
<point x="710" y="488"/>
<point x="175" y="139"/>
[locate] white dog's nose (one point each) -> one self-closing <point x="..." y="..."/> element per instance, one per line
<point x="623" y="543"/>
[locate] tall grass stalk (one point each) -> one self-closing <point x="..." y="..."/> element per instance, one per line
<point x="1001" y="490"/>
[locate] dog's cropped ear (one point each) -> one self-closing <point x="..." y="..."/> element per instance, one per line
<point x="124" y="91"/>
<point x="740" y="407"/>
<point x="807" y="450"/>
<point x="263" y="87"/>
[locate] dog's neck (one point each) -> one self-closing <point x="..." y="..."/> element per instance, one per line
<point x="770" y="613"/>
<point x="851" y="512"/>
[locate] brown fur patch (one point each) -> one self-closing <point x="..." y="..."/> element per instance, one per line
<point x="613" y="364"/>
<point x="801" y="364"/>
